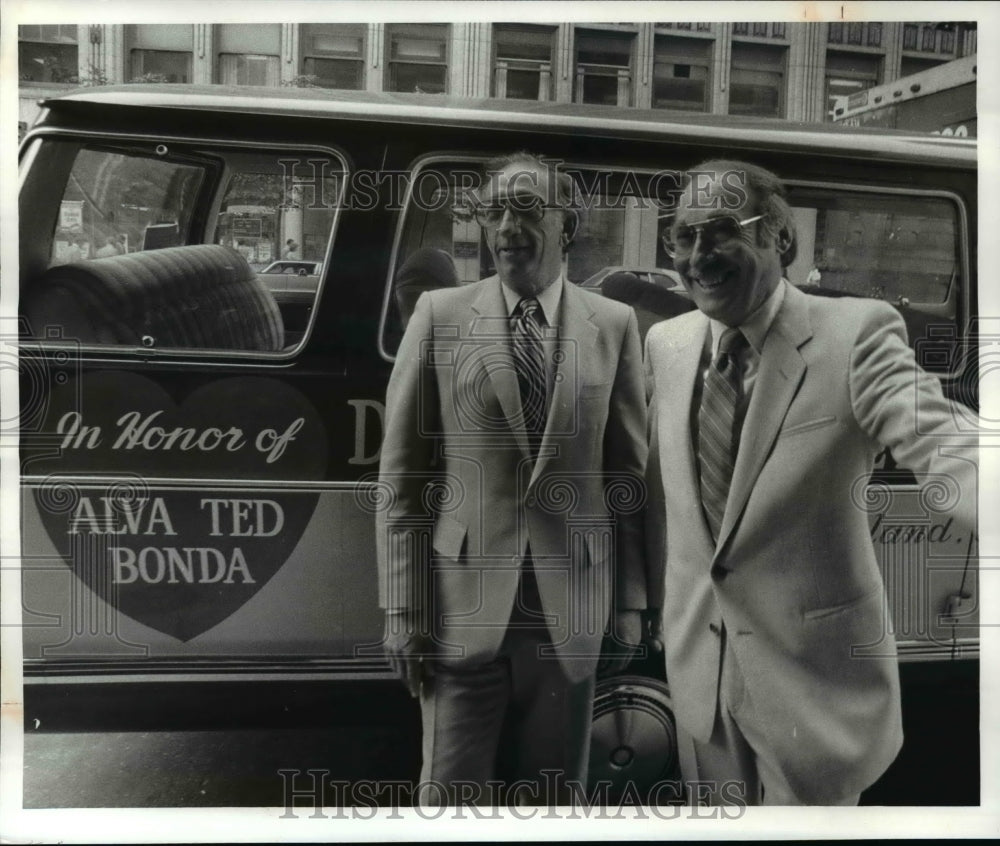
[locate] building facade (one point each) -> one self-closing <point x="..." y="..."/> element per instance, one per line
<point x="785" y="70"/>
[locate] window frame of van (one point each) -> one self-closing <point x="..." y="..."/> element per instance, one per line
<point x="452" y="159"/>
<point x="963" y="279"/>
<point x="222" y="357"/>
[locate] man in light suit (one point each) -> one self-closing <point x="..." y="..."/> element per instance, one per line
<point x="519" y="401"/>
<point x="766" y="576"/>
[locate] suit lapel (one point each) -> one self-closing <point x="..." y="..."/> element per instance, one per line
<point x="490" y="324"/>
<point x="577" y="338"/>
<point x="781" y="371"/>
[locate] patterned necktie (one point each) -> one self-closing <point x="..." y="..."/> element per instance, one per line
<point x="716" y="439"/>
<point x="529" y="359"/>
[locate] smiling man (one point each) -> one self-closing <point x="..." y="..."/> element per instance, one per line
<point x="768" y="409"/>
<point x="521" y="395"/>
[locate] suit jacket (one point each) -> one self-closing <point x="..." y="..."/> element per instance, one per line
<point x="793" y="576"/>
<point x="465" y="499"/>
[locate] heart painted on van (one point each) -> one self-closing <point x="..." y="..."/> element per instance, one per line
<point x="188" y="526"/>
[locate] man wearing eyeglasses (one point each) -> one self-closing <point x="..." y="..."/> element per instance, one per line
<point x="521" y="395"/>
<point x="768" y="409"/>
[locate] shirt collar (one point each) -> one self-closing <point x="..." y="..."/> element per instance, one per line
<point x="548" y="299"/>
<point x="757" y="325"/>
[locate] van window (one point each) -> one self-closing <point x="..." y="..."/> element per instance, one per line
<point x="900" y="247"/>
<point x="118" y="203"/>
<point x="98" y="276"/>
<point x="891" y="248"/>
<point x="618" y="230"/>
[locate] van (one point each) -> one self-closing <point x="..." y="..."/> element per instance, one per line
<point x="199" y="447"/>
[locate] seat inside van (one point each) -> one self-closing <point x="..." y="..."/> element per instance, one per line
<point x="203" y="296"/>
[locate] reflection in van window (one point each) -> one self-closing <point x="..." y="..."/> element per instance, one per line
<point x="895" y="247"/>
<point x="886" y="247"/>
<point x="116" y="203"/>
<point x="618" y="231"/>
<point x="169" y="246"/>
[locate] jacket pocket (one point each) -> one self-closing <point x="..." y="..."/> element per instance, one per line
<point x="808" y="426"/>
<point x="449" y="537"/>
<point x="841" y="608"/>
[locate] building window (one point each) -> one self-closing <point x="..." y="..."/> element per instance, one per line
<point x="160" y="66"/>
<point x="849" y="73"/>
<point x="947" y="40"/>
<point x="160" y="52"/>
<point x="418" y="58"/>
<point x="699" y="26"/>
<point x="874" y="34"/>
<point x="603" y="67"/>
<point x="778" y="30"/>
<point x="246" y="69"/>
<point x="835" y="33"/>
<point x="910" y="65"/>
<point x="910" y="32"/>
<point x="522" y="62"/>
<point x="855" y="33"/>
<point x="742" y="28"/>
<point x="757" y="81"/>
<point x="760" y="29"/>
<point x="928" y="41"/>
<point x="681" y="73"/>
<point x="249" y="55"/>
<point x="47" y="53"/>
<point x="333" y="56"/>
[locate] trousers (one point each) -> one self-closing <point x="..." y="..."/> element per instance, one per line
<point x="736" y="766"/>
<point x="512" y="729"/>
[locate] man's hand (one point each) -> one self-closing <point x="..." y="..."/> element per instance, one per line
<point x="620" y="642"/>
<point x="407" y="649"/>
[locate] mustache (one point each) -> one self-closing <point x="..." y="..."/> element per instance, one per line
<point x="712" y="266"/>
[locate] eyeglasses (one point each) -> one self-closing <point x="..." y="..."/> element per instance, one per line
<point x="523" y="206"/>
<point x="715" y="232"/>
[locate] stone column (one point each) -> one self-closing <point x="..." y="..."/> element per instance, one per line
<point x="375" y="58"/>
<point x="565" y="69"/>
<point x="203" y="66"/>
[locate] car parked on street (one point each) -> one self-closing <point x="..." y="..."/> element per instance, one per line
<point x="669" y="280"/>
<point x="295" y="267"/>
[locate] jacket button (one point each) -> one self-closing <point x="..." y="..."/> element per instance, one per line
<point x="714" y="629"/>
<point x="530" y="501"/>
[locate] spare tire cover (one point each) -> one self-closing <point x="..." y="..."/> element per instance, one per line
<point x="633" y="738"/>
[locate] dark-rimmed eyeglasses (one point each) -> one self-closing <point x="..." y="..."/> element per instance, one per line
<point x="523" y="206"/>
<point x="714" y="232"/>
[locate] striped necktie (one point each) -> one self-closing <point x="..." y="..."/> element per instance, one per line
<point x="529" y="359"/>
<point x="717" y="442"/>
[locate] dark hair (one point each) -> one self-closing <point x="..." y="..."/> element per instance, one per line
<point x="768" y="193"/>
